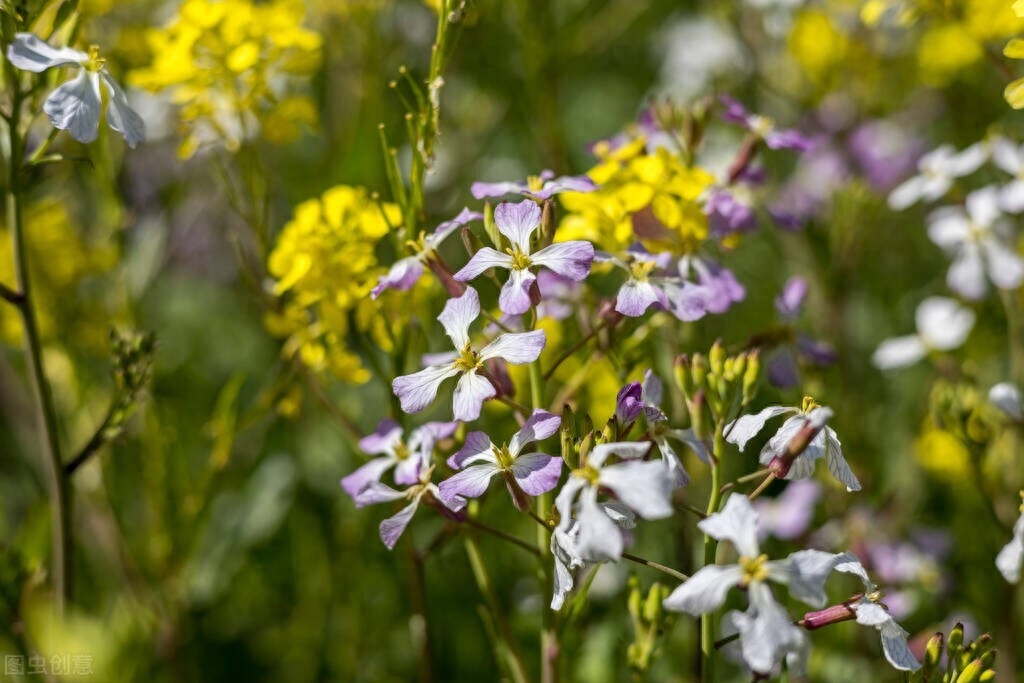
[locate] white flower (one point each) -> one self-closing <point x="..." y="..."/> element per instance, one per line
<point x="645" y="488"/>
<point x="1006" y="397"/>
<point x="870" y="613"/>
<point x="824" y="444"/>
<point x="76" y="105"/>
<point x="972" y="238"/>
<point x="942" y="325"/>
<point x="1010" y="157"/>
<point x="1010" y="558"/>
<point x="937" y="171"/>
<point x="767" y="632"/>
<point x="566" y="552"/>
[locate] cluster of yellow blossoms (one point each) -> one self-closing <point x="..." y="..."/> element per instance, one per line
<point x="630" y="182"/>
<point x="1015" y="50"/>
<point x="324" y="266"/>
<point x="227" y="63"/>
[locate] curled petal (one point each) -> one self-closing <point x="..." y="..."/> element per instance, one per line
<point x="31" y="53"/>
<point x="469" y="483"/>
<point x="403" y="274"/>
<point x="540" y="425"/>
<point x="120" y="116"/>
<point x="371" y="471"/>
<point x="393" y="527"/>
<point x="478" y="447"/>
<point x="537" y="473"/>
<point x="746" y="427"/>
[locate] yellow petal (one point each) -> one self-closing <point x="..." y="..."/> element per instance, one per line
<point x="1014" y="94"/>
<point x="1014" y="49"/>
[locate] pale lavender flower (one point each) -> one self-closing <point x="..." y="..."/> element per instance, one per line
<point x="937" y="170"/>
<point x="720" y="288"/>
<point x="405" y="272"/>
<point x="788" y="515"/>
<point x="824" y="444"/>
<point x="886" y="152"/>
<point x="1011" y="557"/>
<point x="76" y="105"/>
<point x="767" y="632"/>
<point x="972" y="236"/>
<point x="393" y="527"/>
<point x="650" y="285"/>
<point x="480" y="459"/>
<point x="763" y="127"/>
<point x="544" y="186"/>
<point x="942" y="325"/>
<point x="518" y="222"/>
<point x="643" y="487"/>
<point x="407" y="457"/>
<point x="727" y="215"/>
<point x="418" y="390"/>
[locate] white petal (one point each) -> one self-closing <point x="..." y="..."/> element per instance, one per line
<point x="767" y="633"/>
<point x="1007" y="398"/>
<point x="704" y="591"/>
<point x="837" y="463"/>
<point x="1011" y="197"/>
<point x="75" y="107"/>
<point x="599" y="538"/>
<point x="848" y="563"/>
<point x="374" y="493"/>
<point x="898" y="352"/>
<point x="627" y="450"/>
<point x="949" y="228"/>
<point x="805" y="572"/>
<point x="564" y="501"/>
<point x="1007" y="156"/>
<point x="1005" y="267"/>
<point x="746" y="427"/>
<point x="457" y="316"/>
<point x="30" y="53"/>
<point x="1012" y="555"/>
<point x="470" y="394"/>
<point x="966" y="275"/>
<point x="894" y="645"/>
<point x="516" y="348"/>
<point x="968" y="161"/>
<point x="906" y="193"/>
<point x="983" y="206"/>
<point x="943" y="323"/>
<point x="644" y="486"/>
<point x="737" y="522"/>
<point x="485" y="259"/>
<point x="418" y="390"/>
<point x="393" y="527"/>
<point x="120" y="116"/>
<point x="517" y="221"/>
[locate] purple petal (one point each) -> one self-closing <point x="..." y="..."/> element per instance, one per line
<point x="788" y="139"/>
<point x="629" y="403"/>
<point x="375" y="492"/>
<point x="480" y="190"/>
<point x="635" y="297"/>
<point x="448" y="227"/>
<point x="580" y="183"/>
<point x="518" y="221"/>
<point x="734" y="112"/>
<point x="369" y="472"/>
<point x="402" y="276"/>
<point x="537" y="473"/>
<point x="568" y="259"/>
<point x="471" y="482"/>
<point x="688" y="301"/>
<point x="514" y="298"/>
<point x="458" y="314"/>
<point x="818" y="352"/>
<point x="383" y="439"/>
<point x="721" y="285"/>
<point x="482" y="260"/>
<point x="393" y="527"/>
<point x="727" y="215"/>
<point x="418" y="390"/>
<point x="470" y="394"/>
<point x="407" y="471"/>
<point x="478" y="446"/>
<point x="540" y="425"/>
<point x="516" y="348"/>
<point x="425" y="437"/>
<point x="790" y="302"/>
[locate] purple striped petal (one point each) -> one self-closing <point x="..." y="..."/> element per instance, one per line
<point x="448" y="227"/>
<point x="518" y="221"/>
<point x="540" y="425"/>
<point x="629" y="403"/>
<point x="470" y="394"/>
<point x="372" y="471"/>
<point x="418" y="390"/>
<point x="788" y="139"/>
<point x="477" y="447"/>
<point x="516" y="348"/>
<point x="375" y="492"/>
<point x="402" y="276"/>
<point x="458" y="314"/>
<point x="635" y="297"/>
<point x="383" y="439"/>
<point x="687" y="301"/>
<point x="537" y="473"/>
<point x="482" y="260"/>
<point x="515" y="294"/>
<point x="391" y="529"/>
<point x="480" y="190"/>
<point x="568" y="259"/>
<point x="566" y="183"/>
<point x="471" y="482"/>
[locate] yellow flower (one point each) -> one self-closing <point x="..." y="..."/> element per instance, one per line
<point x="230" y="67"/>
<point x="1014" y="92"/>
<point x="324" y="267"/>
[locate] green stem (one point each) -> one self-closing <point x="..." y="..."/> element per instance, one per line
<point x="47" y="417"/>
<point x="674" y="573"/>
<point x="707" y="621"/>
<point x="503" y="641"/>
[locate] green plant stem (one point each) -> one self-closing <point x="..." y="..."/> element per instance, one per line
<point x="503" y="641"/>
<point x="674" y="573"/>
<point x="47" y="417"/>
<point x="707" y="621"/>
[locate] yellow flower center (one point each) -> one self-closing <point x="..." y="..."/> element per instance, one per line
<point x="754" y="569"/>
<point x="641" y="270"/>
<point x="467" y="359"/>
<point x="418" y="245"/>
<point x="520" y="261"/>
<point x="535" y="183"/>
<point x="588" y="472"/>
<point x="95" y="62"/>
<point x="402" y="451"/>
<point x="809" y="404"/>
<point x="503" y="456"/>
<point x="761" y="125"/>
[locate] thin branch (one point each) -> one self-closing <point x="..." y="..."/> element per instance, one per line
<point x="11" y="296"/>
<point x="655" y="565"/>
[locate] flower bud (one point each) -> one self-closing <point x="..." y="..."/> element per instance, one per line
<point x="699" y="371"/>
<point x="547" y="223"/>
<point x="585" y="445"/>
<point x="490" y="227"/>
<point x="716" y="358"/>
<point x="988" y="659"/>
<point x="956" y="638"/>
<point x="681" y="370"/>
<point x="751" y="374"/>
<point x="987" y="676"/>
<point x="932" y="660"/>
<point x="971" y="673"/>
<point x="634" y="600"/>
<point x="629" y="404"/>
<point x="652" y="606"/>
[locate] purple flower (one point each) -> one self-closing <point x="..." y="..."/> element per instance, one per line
<point x="650" y="285"/>
<point x="418" y="390"/>
<point x="629" y="403"/>
<point x="409" y="458"/>
<point x="480" y="459"/>
<point x="543" y="186"/>
<point x="790" y="302"/>
<point x="720" y="287"/>
<point x="763" y="127"/>
<point x="727" y="215"/>
<point x="407" y="271"/>
<point x="789" y="515"/>
<point x="517" y="222"/>
<point x="643" y="487"/>
<point x="886" y="152"/>
<point x="393" y="527"/>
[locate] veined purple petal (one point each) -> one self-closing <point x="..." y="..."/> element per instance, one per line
<point x="448" y="227"/>
<point x="471" y="482"/>
<point x="477" y="447"/>
<point x="458" y="314"/>
<point x="482" y="260"/>
<point x="392" y="528"/>
<point x="734" y="112"/>
<point x="369" y="472"/>
<point x="721" y="285"/>
<point x="516" y="348"/>
<point x="569" y="259"/>
<point x="635" y="297"/>
<point x="629" y="403"/>
<point x="375" y="492"/>
<point x="514" y="298"/>
<point x="470" y="394"/>
<point x="480" y="190"/>
<point x="407" y="470"/>
<point x="580" y="183"/>
<point x="418" y="390"/>
<point x="790" y="301"/>
<point x="518" y="221"/>
<point x="539" y="426"/>
<point x="424" y="438"/>
<point x="687" y="301"/>
<point x="403" y="275"/>
<point x="727" y="215"/>
<point x="383" y="439"/>
<point x="537" y="473"/>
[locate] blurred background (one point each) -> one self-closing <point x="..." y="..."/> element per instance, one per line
<point x="213" y="542"/>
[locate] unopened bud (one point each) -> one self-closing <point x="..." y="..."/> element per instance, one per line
<point x="547" y="223"/>
<point x="681" y="370"/>
<point x="699" y="371"/>
<point x="490" y="227"/>
<point x="932" y="660"/>
<point x="971" y="673"/>
<point x="987" y="676"/>
<point x="716" y="358"/>
<point x="585" y="445"/>
<point x="652" y="606"/>
<point x="988" y="660"/>
<point x="634" y="600"/>
<point x="751" y="374"/>
<point x="956" y="638"/>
